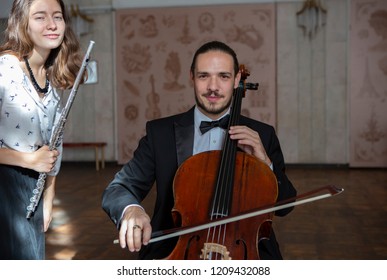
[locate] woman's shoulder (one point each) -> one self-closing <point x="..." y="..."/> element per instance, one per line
<point x="9" y="65"/>
<point x="10" y="71"/>
<point x="8" y="60"/>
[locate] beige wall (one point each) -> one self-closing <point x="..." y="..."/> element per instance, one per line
<point x="314" y="88"/>
<point x="92" y="117"/>
<point x="368" y="83"/>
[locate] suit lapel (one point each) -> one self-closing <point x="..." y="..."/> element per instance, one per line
<point x="184" y="134"/>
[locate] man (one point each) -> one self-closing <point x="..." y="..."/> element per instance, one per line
<point x="170" y="141"/>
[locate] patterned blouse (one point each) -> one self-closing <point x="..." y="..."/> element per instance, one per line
<point x="26" y="120"/>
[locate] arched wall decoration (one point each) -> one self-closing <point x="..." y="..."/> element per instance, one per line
<point x="312" y="17"/>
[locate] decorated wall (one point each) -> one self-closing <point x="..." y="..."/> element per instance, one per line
<point x="154" y="50"/>
<point x="368" y="83"/>
<point x="325" y="95"/>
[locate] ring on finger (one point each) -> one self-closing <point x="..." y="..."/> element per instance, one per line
<point x="137" y="227"/>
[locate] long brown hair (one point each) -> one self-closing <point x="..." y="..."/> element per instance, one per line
<point x="63" y="62"/>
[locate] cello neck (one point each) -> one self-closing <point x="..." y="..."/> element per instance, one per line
<point x="222" y="201"/>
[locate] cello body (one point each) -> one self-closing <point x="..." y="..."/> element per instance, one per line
<point x="254" y="184"/>
<point x="216" y="184"/>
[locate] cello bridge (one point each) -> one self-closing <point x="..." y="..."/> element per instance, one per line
<point x="213" y="251"/>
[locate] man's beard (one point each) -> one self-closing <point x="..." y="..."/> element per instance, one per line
<point x="212" y="110"/>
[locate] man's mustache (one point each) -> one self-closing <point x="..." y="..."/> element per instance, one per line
<point x="213" y="93"/>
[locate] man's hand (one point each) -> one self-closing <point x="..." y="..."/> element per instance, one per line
<point x="135" y="229"/>
<point x="250" y="142"/>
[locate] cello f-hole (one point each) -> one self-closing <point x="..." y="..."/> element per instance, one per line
<point x="189" y="243"/>
<point x="241" y="242"/>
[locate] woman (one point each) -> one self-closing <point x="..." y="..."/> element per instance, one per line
<point x="40" y="55"/>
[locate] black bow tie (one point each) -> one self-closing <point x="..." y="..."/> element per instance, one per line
<point x="222" y="123"/>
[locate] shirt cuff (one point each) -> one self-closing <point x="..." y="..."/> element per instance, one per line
<point x="130" y="205"/>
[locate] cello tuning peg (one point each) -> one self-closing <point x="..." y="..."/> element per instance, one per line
<point x="252" y="86"/>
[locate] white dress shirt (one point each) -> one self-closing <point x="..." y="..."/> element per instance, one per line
<point x="209" y="141"/>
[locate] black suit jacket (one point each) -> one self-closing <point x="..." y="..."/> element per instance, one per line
<point x="167" y="144"/>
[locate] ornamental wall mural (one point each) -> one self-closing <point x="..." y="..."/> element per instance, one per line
<point x="368" y="83"/>
<point x="154" y="49"/>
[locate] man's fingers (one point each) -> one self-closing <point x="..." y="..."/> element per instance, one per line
<point x="122" y="234"/>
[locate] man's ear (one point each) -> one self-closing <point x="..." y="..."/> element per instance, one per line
<point x="237" y="79"/>
<point x="191" y="75"/>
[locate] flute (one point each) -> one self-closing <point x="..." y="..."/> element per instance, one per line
<point x="57" y="134"/>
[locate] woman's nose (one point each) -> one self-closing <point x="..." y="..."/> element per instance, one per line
<point x="51" y="24"/>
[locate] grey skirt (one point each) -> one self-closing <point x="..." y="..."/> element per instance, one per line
<point x="20" y="238"/>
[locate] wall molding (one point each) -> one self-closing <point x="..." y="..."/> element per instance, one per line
<point x="122" y="4"/>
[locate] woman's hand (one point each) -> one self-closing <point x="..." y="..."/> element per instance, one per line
<point x="48" y="201"/>
<point x="47" y="214"/>
<point x="42" y="160"/>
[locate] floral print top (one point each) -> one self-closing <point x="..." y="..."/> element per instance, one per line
<point x="26" y="120"/>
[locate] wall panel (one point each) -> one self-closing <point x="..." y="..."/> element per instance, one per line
<point x="154" y="49"/>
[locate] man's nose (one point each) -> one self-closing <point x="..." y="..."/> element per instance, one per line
<point x="213" y="84"/>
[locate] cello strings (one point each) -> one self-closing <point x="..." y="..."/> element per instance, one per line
<point x="222" y="200"/>
<point x="224" y="186"/>
<point x="228" y="158"/>
<point x="228" y="179"/>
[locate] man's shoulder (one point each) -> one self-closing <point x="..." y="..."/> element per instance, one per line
<point x="255" y="124"/>
<point x="172" y="119"/>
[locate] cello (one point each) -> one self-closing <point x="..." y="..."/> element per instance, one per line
<point x="230" y="182"/>
<point x="233" y="209"/>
